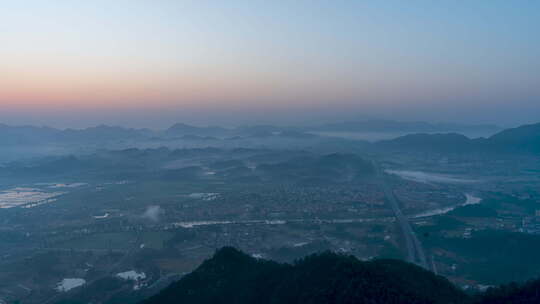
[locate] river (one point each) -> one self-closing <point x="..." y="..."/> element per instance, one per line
<point x="470" y="200"/>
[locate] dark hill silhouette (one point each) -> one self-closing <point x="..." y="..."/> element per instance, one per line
<point x="528" y="293"/>
<point x="234" y="277"/>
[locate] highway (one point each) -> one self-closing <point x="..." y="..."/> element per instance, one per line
<point x="415" y="251"/>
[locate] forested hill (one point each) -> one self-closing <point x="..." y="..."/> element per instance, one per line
<point x="234" y="277"/>
<point x="231" y="276"/>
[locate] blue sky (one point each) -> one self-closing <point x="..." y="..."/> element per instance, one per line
<point x="153" y="62"/>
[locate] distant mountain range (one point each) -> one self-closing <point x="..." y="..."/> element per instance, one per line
<point x="27" y="135"/>
<point x="231" y="276"/>
<point x="521" y="139"/>
<point x="400" y="126"/>
<point x="525" y="138"/>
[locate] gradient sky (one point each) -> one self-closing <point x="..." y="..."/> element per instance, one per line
<point x="151" y="63"/>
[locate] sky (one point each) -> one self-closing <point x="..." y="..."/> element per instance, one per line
<point x="152" y="63"/>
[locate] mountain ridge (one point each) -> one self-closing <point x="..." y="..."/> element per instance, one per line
<point x="525" y="138"/>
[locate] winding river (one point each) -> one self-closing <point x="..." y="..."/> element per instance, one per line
<point x="470" y="200"/>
